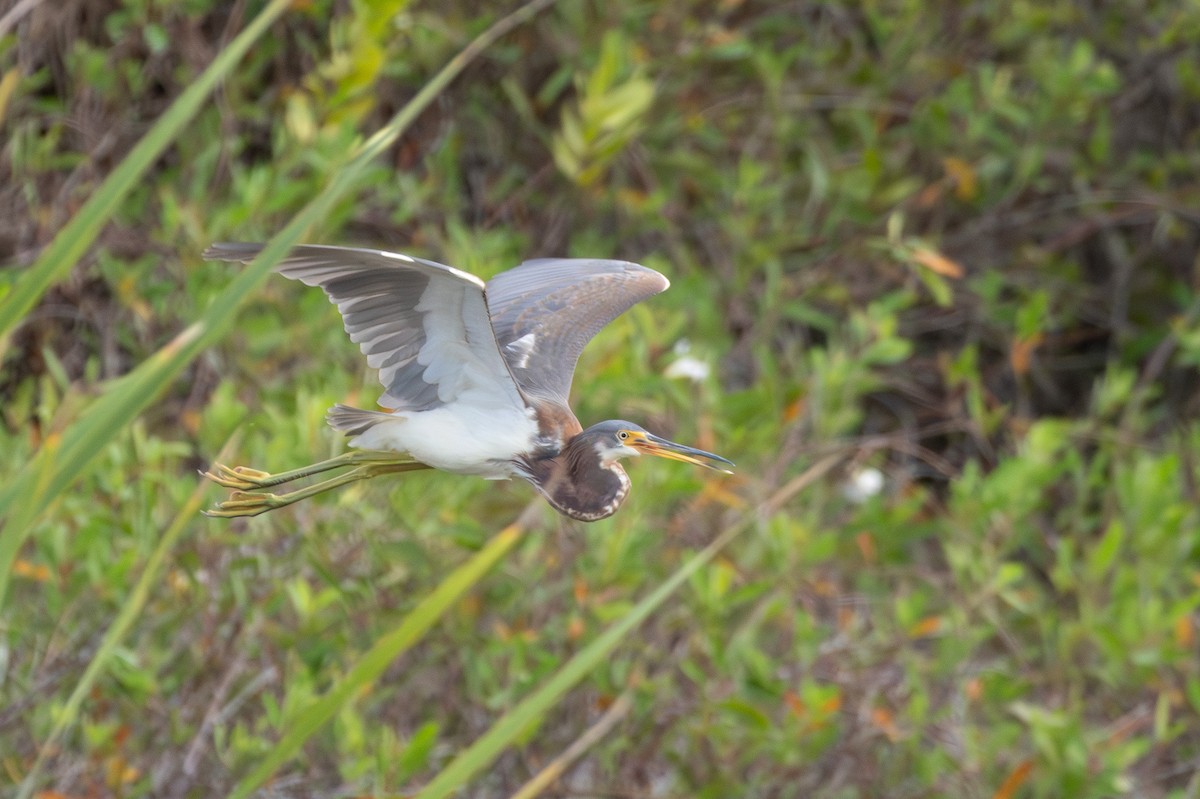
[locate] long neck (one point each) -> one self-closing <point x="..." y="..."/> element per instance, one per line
<point x="577" y="485"/>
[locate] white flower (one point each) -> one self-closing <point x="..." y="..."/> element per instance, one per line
<point x="863" y="485"/>
<point x="689" y="368"/>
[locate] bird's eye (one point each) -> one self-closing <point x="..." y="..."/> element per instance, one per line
<point x="623" y="435"/>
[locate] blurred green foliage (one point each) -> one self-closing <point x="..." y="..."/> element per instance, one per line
<point x="955" y="243"/>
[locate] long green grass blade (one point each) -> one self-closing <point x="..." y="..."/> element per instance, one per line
<point x="130" y="612"/>
<point x="382" y="654"/>
<point x="485" y="750"/>
<point x="53" y="470"/>
<point x="78" y="234"/>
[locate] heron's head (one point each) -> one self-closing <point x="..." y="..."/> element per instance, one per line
<point x="616" y="439"/>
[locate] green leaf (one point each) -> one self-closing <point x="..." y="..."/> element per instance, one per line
<point x="110" y="644"/>
<point x="74" y="239"/>
<point x="56" y="466"/>
<point x="530" y="710"/>
<point x="382" y="654"/>
<point x="1104" y="553"/>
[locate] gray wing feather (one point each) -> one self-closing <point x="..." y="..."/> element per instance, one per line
<point x="392" y="306"/>
<point x="545" y="311"/>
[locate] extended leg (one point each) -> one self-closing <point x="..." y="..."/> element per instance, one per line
<point x="242" y="503"/>
<point x="244" y="478"/>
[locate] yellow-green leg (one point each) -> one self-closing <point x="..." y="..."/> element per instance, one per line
<point x="244" y="478"/>
<point x="252" y="503"/>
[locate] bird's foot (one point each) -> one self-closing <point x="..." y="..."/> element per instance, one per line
<point x="239" y="477"/>
<point x="247" y="503"/>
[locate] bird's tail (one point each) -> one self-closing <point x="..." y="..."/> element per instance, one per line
<point x="354" y="421"/>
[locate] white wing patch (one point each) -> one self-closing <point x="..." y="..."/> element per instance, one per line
<point x="521" y="349"/>
<point x="456" y="355"/>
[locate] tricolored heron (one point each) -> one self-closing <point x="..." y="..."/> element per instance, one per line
<point x="477" y="375"/>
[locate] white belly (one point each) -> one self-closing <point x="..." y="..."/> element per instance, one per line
<point x="457" y="438"/>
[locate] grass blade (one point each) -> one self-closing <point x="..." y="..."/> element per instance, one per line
<point x="78" y="234"/>
<point x="53" y="470"/>
<point x="117" y="630"/>
<point x="553" y="771"/>
<point x="485" y="750"/>
<point x="380" y="656"/>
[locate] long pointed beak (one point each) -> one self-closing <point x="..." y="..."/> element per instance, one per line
<point x="651" y="444"/>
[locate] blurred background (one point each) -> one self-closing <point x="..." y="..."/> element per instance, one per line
<point x="951" y="245"/>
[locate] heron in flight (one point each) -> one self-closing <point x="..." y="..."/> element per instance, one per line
<point x="477" y="376"/>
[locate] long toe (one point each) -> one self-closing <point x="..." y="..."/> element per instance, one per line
<point x="239" y="477"/>
<point x="222" y="476"/>
<point x="242" y="503"/>
<point x="250" y="474"/>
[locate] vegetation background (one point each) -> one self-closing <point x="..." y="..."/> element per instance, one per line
<point x="953" y="245"/>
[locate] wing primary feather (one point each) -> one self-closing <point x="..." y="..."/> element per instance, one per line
<point x="424" y="325"/>
<point x="545" y="311"/>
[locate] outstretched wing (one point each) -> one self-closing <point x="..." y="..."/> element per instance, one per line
<point x="422" y="324"/>
<point x="545" y="312"/>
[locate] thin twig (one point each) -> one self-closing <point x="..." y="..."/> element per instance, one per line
<point x="592" y="736"/>
<point x="10" y="20"/>
<point x="798" y="484"/>
<point x="213" y="714"/>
